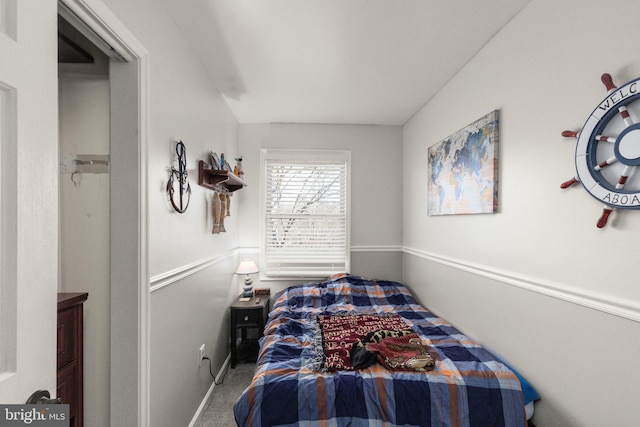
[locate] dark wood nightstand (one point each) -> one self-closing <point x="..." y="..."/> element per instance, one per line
<point x="246" y="315"/>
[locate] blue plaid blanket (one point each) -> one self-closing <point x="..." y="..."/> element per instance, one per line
<point x="468" y="387"/>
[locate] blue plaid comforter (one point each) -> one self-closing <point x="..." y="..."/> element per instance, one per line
<point x="468" y="387"/>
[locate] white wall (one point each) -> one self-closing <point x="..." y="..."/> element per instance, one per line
<point x="190" y="269"/>
<point x="376" y="195"/>
<point x="537" y="282"/>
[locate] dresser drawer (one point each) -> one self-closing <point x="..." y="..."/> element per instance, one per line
<point x="67" y="332"/>
<point x="67" y="387"/>
<point x="246" y="317"/>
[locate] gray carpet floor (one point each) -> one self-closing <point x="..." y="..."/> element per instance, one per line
<point x="219" y="409"/>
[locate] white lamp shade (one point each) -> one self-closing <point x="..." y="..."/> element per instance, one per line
<point x="247" y="266"/>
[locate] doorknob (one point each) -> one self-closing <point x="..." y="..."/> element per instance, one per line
<point x="42" y="397"/>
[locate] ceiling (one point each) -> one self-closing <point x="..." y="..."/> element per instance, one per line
<point x="336" y="61"/>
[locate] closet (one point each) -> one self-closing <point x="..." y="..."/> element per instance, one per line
<point x="84" y="144"/>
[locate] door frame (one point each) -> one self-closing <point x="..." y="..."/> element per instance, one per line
<point x="130" y="292"/>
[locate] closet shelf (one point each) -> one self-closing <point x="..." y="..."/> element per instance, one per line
<point x="213" y="179"/>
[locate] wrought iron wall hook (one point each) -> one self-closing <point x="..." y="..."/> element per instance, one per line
<point x="180" y="175"/>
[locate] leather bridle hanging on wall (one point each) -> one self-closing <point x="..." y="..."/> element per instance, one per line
<point x="180" y="175"/>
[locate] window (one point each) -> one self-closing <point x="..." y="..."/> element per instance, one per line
<point x="306" y="213"/>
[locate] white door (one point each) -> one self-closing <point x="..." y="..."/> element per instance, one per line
<point x="28" y="198"/>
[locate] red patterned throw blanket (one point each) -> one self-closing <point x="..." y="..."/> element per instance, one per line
<point x="339" y="332"/>
<point x="404" y="353"/>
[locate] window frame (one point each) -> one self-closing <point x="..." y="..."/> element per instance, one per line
<point x="302" y="155"/>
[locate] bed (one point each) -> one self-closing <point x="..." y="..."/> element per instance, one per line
<point x="303" y="376"/>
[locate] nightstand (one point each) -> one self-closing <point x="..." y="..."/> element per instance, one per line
<point x="246" y="315"/>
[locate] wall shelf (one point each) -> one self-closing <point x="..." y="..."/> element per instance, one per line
<point x="213" y="179"/>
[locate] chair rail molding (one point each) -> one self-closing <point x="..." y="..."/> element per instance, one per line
<point x="167" y="278"/>
<point x="604" y="303"/>
<point x="377" y="248"/>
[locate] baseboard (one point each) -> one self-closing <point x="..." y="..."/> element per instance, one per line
<point x="207" y="396"/>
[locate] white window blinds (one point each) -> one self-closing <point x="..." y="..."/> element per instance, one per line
<point x="306" y="211"/>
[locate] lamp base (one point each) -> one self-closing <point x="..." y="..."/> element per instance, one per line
<point x="247" y="289"/>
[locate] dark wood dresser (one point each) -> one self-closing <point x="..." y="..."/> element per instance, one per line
<point x="69" y="380"/>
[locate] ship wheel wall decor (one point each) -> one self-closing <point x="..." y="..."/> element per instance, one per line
<point x="608" y="149"/>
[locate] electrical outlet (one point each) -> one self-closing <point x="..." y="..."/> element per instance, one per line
<point x="201" y="354"/>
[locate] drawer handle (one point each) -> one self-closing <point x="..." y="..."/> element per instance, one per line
<point x="246" y="318"/>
